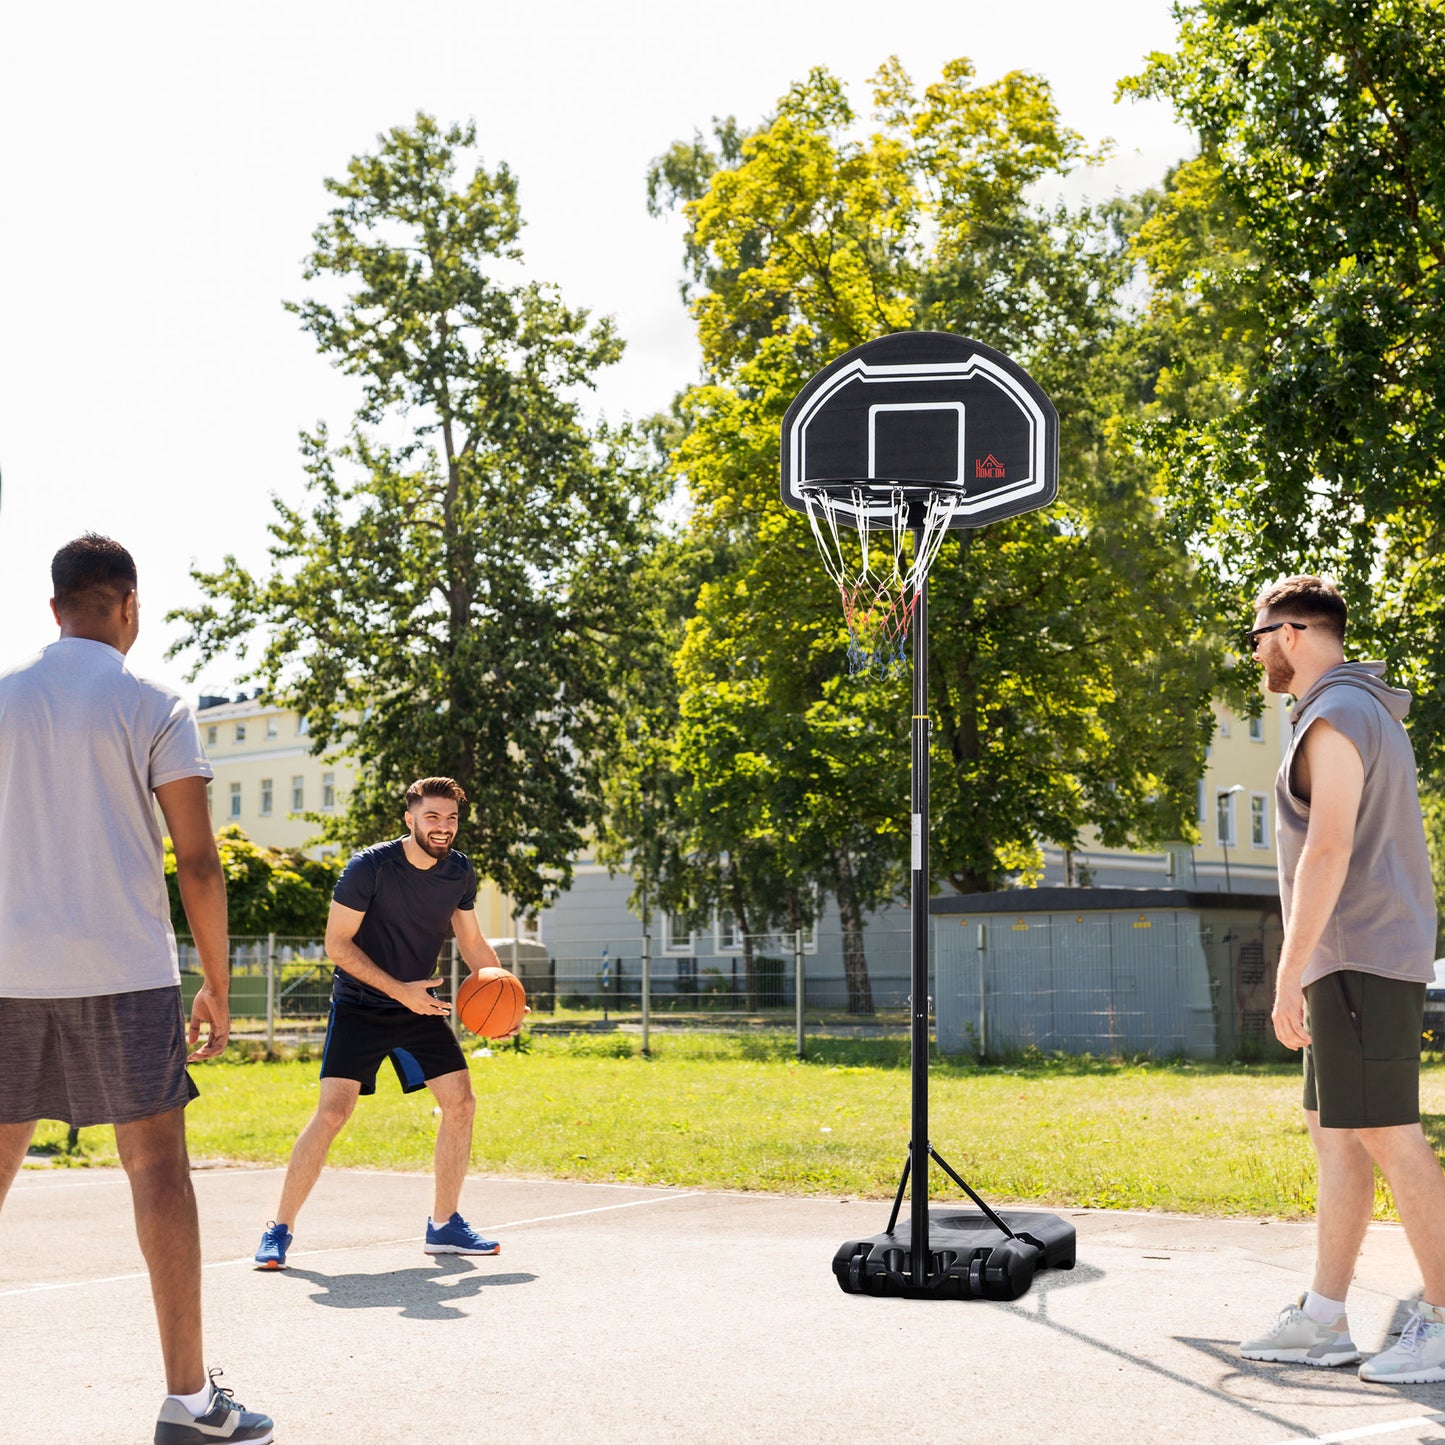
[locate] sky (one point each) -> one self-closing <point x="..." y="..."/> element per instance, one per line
<point x="161" y="173"/>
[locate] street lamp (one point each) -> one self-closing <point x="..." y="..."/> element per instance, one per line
<point x="1225" y="832"/>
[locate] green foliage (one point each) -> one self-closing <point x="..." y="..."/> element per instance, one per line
<point x="453" y="593"/>
<point x="268" y="890"/>
<point x="1071" y="656"/>
<point x="1305" y="254"/>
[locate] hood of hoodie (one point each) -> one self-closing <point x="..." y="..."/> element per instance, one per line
<point x="1367" y="675"/>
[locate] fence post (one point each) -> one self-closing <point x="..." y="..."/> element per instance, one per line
<point x="800" y="989"/>
<point x="646" y="989"/>
<point x="270" y="992"/>
<point x="455" y="1022"/>
<point x="982" y="992"/>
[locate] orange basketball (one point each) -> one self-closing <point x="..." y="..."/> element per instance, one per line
<point x="491" y="1002"/>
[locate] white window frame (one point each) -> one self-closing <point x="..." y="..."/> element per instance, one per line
<point x="1259" y="820"/>
<point x="273" y="729"/>
<point x="235" y="801"/>
<point x="328" y="792"/>
<point x="240" y="732"/>
<point x="298" y="793"/>
<point x="213" y="732"/>
<point x="1224" y="828"/>
<point x="268" y="796"/>
<point x="1256" y="729"/>
<point x="724" y="934"/>
<point x="671" y="944"/>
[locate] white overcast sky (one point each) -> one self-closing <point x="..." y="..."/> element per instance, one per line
<point x="161" y="169"/>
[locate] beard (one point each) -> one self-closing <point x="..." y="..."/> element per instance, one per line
<point x="1278" y="674"/>
<point x="432" y="850"/>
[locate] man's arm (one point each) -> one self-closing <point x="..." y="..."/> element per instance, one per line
<point x="203" y="895"/>
<point x="1336" y="781"/>
<point x="343" y="950"/>
<point x="476" y="952"/>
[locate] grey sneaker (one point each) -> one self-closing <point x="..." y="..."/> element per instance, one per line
<point x="223" y="1419"/>
<point x="1419" y="1358"/>
<point x="1297" y="1339"/>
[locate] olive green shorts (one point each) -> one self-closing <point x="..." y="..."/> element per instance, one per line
<point x="1362" y="1064"/>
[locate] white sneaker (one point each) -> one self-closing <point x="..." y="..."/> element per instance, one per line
<point x="1419" y="1358"/>
<point x="1297" y="1339"/>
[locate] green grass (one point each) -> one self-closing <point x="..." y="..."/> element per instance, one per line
<point x="739" y="1112"/>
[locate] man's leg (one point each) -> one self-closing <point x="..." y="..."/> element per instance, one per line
<point x="14" y="1141"/>
<point x="153" y="1153"/>
<point x="308" y="1155"/>
<point x="454" y="1140"/>
<point x="1415" y="1178"/>
<point x="1345" y="1203"/>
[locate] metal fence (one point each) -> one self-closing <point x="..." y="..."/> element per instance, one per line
<point x="1163" y="982"/>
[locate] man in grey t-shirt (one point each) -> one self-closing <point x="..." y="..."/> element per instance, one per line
<point x="1359" y="914"/>
<point x="91" y="1025"/>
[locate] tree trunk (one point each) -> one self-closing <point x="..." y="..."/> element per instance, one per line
<point x="855" y="961"/>
<point x="740" y="922"/>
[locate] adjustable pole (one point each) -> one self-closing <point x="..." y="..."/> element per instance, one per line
<point x="918" y="1146"/>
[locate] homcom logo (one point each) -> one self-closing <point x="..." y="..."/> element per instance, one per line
<point x="989" y="467"/>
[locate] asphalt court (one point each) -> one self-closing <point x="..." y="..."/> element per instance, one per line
<point x="617" y="1313"/>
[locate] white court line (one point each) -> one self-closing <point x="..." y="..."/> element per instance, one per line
<point x="342" y="1248"/>
<point x="1389" y="1427"/>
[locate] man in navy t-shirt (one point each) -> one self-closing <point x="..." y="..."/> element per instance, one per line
<point x="390" y="913"/>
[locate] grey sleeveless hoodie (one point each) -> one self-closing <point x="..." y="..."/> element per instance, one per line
<point x="1384" y="922"/>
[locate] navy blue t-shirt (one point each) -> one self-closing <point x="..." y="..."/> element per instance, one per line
<point x="408" y="912"/>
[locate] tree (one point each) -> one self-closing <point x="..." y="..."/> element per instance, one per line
<point x="1072" y="658"/>
<point x="1320" y="126"/>
<point x="451" y="596"/>
<point x="268" y="890"/>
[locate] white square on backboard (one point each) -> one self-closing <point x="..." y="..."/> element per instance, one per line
<point x="955" y="406"/>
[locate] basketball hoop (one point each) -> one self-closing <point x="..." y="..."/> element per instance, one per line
<point x="877" y="581"/>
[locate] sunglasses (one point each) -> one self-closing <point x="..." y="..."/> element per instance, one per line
<point x="1251" y="638"/>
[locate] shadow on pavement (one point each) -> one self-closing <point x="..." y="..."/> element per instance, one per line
<point x="416" y="1294"/>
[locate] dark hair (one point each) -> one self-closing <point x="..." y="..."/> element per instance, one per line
<point x="434" y="788"/>
<point x="92" y="573"/>
<point x="1310" y="599"/>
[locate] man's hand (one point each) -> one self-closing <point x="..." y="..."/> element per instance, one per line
<point x="417" y="997"/>
<point x="213" y="1013"/>
<point x="1289" y="1013"/>
<point x="526" y="1009"/>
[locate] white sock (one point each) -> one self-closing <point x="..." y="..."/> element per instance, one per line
<point x="196" y="1403"/>
<point x="1439" y="1309"/>
<point x="1321" y="1310"/>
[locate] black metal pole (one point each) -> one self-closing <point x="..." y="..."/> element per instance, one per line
<point x="918" y="1145"/>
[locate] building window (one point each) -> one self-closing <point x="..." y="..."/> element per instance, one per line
<point x="303" y="727"/>
<point x="1259" y="821"/>
<point x="725" y="933"/>
<point x="266" y="795"/>
<point x="240" y="732"/>
<point x="676" y="937"/>
<point x="211" y="733"/>
<point x="1224" y="818"/>
<point x="298" y="794"/>
<point x="1200" y="811"/>
<point x="1256" y="729"/>
<point x="235" y="800"/>
<point x="328" y="792"/>
<point x="1221" y="726"/>
<point x="272" y="728"/>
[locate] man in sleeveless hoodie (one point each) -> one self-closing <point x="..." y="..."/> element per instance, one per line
<point x="1359" y="944"/>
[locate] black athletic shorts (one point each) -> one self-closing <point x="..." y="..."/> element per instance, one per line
<point x="420" y="1046"/>
<point x="1362" y="1064"/>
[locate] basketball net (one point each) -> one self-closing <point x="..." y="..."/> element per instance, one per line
<point x="861" y="530"/>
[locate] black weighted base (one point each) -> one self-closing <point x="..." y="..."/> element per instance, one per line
<point x="969" y="1257"/>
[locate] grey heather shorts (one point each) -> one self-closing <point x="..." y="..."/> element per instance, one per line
<point x="112" y="1059"/>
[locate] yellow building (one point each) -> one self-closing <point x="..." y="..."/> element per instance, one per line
<point x="267" y="779"/>
<point x="1235" y="814"/>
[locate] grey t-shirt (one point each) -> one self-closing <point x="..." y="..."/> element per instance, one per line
<point x="1384" y="921"/>
<point x="83" y="745"/>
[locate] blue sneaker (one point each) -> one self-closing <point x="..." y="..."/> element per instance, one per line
<point x="456" y="1236"/>
<point x="223" y="1419"/>
<point x="275" y="1241"/>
